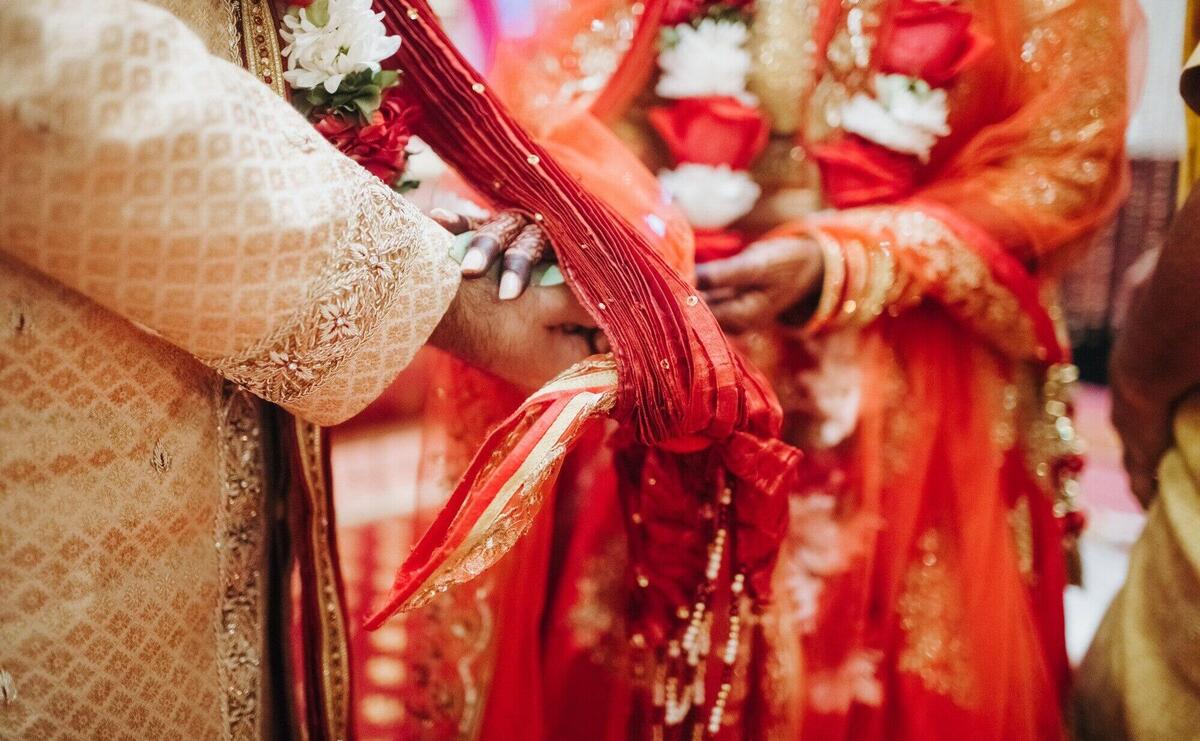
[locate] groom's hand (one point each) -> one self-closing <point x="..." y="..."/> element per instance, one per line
<point x="510" y="233"/>
<point x="526" y="341"/>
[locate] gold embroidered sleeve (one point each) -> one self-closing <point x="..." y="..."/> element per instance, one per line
<point x="888" y="259"/>
<point x="176" y="190"/>
<point x="1053" y="171"/>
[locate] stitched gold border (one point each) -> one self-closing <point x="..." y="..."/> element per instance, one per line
<point x="239" y="535"/>
<point x="260" y="43"/>
<point x="335" y="665"/>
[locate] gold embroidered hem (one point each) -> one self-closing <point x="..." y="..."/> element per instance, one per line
<point x="238" y="539"/>
<point x="930" y="610"/>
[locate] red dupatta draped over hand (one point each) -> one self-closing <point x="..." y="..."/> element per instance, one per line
<point x="709" y="478"/>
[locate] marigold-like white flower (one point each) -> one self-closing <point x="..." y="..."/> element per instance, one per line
<point x="711" y="197"/>
<point x="906" y="115"/>
<point x="354" y="39"/>
<point x="708" y="59"/>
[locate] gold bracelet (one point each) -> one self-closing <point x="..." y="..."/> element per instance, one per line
<point x="833" y="285"/>
<point x="857" y="277"/>
<point x="879" y="284"/>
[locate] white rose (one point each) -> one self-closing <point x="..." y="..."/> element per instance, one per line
<point x="709" y="59"/>
<point x="710" y="197"/>
<point x="906" y="115"/>
<point x="354" y="39"/>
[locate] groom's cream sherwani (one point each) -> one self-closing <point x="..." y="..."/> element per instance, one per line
<point x="176" y="246"/>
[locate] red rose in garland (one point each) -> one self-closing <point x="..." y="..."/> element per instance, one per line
<point x="682" y="11"/>
<point x="932" y="40"/>
<point x="855" y="172"/>
<point x="712" y="131"/>
<point x="336" y="51"/>
<point x="379" y="145"/>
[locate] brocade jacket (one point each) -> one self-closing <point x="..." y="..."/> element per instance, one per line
<point x="191" y="281"/>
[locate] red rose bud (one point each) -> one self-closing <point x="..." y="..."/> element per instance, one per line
<point x="379" y="146"/>
<point x="712" y="131"/>
<point x="682" y="11"/>
<point x="300" y="3"/>
<point x="932" y="41"/>
<point x="855" y="172"/>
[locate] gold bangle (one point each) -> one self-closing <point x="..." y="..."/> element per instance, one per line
<point x="857" y="276"/>
<point x="879" y="284"/>
<point x="833" y="285"/>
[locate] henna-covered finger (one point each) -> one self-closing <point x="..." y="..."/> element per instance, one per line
<point x="522" y="254"/>
<point x="490" y="240"/>
<point x="454" y="222"/>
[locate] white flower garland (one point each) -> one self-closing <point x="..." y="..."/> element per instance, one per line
<point x="906" y="115"/>
<point x="351" y="39"/>
<point x="711" y="197"/>
<point x="708" y="59"/>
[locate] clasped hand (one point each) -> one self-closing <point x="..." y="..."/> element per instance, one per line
<point x="525" y="337"/>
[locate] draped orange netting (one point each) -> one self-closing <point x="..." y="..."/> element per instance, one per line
<point x="714" y="478"/>
<point x="1033" y="166"/>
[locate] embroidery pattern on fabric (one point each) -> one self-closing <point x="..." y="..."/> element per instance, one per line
<point x="520" y="496"/>
<point x="930" y="617"/>
<point x="238" y="542"/>
<point x="595" y="55"/>
<point x="1052" y="169"/>
<point x="344" y="305"/>
<point x="335" y="657"/>
<point x="261" y="44"/>
<point x="939" y="260"/>
<point x="596" y="622"/>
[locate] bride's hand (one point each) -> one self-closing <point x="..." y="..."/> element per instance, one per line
<point x="509" y="233"/>
<point x="772" y="280"/>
